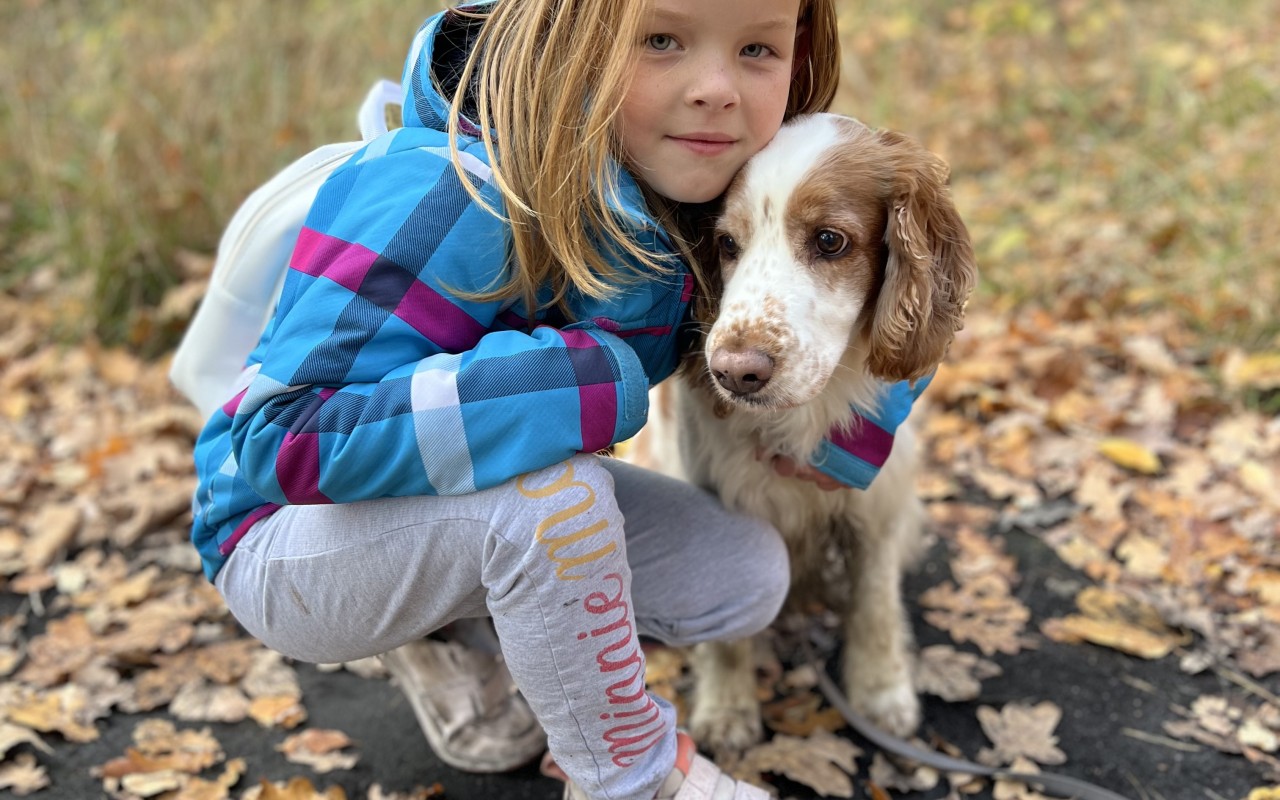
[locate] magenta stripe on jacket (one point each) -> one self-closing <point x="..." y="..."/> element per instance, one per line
<point x="344" y="263"/>
<point x="598" y="403"/>
<point x="866" y="440"/>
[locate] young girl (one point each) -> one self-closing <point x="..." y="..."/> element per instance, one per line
<point x="479" y="302"/>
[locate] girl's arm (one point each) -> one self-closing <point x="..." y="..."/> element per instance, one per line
<point x="854" y="456"/>
<point x="378" y="377"/>
<point x="446" y="424"/>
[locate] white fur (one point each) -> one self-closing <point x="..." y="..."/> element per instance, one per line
<point x="820" y="374"/>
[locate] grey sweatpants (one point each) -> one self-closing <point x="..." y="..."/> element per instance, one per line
<point x="569" y="587"/>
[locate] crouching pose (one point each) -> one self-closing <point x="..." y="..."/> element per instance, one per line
<point x="477" y="304"/>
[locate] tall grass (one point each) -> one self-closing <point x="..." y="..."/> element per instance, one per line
<point x="130" y="131"/>
<point x="1117" y="150"/>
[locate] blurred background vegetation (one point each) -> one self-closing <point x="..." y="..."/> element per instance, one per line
<point x="1122" y="154"/>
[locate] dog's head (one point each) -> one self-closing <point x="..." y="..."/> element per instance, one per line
<point x="836" y="239"/>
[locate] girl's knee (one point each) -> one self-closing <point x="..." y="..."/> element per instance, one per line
<point x="565" y="516"/>
<point x="742" y="594"/>
<point x="764" y="573"/>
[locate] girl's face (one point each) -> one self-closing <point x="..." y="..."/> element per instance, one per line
<point x="709" y="91"/>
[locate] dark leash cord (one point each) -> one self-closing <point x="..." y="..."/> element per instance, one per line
<point x="1060" y="784"/>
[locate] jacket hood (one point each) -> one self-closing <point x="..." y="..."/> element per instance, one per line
<point x="434" y="66"/>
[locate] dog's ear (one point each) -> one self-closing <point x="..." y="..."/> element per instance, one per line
<point x="929" y="271"/>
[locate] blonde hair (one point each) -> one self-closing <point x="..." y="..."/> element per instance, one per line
<point x="547" y="79"/>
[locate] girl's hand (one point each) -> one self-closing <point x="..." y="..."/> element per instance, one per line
<point x="787" y="467"/>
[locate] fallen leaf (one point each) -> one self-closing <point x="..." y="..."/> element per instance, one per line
<point x="801" y="715"/>
<point x="901" y="776"/>
<point x="951" y="674"/>
<point x="297" y="788"/>
<point x="376" y="792"/>
<point x="823" y="762"/>
<point x="160" y="747"/>
<point x="1253" y="371"/>
<point x="1130" y="455"/>
<point x="12" y="735"/>
<point x="981" y="611"/>
<point x="319" y="748"/>
<point x="23" y="775"/>
<point x="60" y="710"/>
<point x="201" y="701"/>
<point x="1005" y="789"/>
<point x="1021" y="730"/>
<point x="1112" y="619"/>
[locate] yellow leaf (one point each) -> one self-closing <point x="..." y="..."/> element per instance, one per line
<point x="1265" y="793"/>
<point x="1256" y="371"/>
<point x="1130" y="455"/>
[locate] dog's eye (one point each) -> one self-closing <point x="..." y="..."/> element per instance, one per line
<point x="728" y="247"/>
<point x="830" y="244"/>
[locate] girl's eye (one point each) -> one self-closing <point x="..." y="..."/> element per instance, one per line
<point x="830" y="244"/>
<point x="661" y="42"/>
<point x="755" y="50"/>
<point x="728" y="247"/>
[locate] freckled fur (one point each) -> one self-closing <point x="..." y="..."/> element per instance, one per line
<point x="836" y="328"/>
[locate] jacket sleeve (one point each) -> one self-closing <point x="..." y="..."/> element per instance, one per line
<point x="376" y="377"/>
<point x="853" y="454"/>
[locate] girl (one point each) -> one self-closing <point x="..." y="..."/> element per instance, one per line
<point x="478" y="302"/>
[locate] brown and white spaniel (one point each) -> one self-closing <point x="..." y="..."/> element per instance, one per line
<point x="846" y="268"/>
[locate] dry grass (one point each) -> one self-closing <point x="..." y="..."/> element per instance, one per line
<point x="1118" y="151"/>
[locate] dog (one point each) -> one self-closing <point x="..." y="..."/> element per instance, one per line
<point x="846" y="269"/>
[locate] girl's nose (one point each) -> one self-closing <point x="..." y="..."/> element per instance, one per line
<point x="714" y="86"/>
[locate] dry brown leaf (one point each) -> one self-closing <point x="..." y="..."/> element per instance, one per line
<point x="1113" y="619"/>
<point x="823" y="762"/>
<point x="981" y="611"/>
<point x="66" y="645"/>
<point x="201" y="701"/>
<point x="61" y="710"/>
<point x="901" y="776"/>
<point x="297" y="788"/>
<point x="12" y="735"/>
<point x="1005" y="789"/>
<point x="150" y="784"/>
<point x="1021" y="730"/>
<point x="270" y="676"/>
<point x="376" y="792"/>
<point x="1251" y="371"/>
<point x="1101" y="491"/>
<point x="23" y="775"/>
<point x="978" y="554"/>
<point x="951" y="674"/>
<point x="319" y="748"/>
<point x="284" y="711"/>
<point x="1109" y="633"/>
<point x="49" y="531"/>
<point x="801" y="714"/>
<point x="160" y="747"/>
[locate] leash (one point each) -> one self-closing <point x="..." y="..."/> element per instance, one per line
<point x="1061" y="784"/>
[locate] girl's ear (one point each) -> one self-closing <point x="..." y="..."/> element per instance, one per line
<point x="929" y="272"/>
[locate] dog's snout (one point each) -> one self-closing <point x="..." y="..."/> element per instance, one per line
<point x="741" y="372"/>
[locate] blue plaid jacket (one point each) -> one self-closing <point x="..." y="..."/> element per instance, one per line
<point x="375" y="378"/>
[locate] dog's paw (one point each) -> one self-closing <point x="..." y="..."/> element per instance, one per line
<point x="726" y="729"/>
<point x="895" y="709"/>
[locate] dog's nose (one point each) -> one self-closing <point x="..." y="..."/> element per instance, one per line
<point x="741" y="372"/>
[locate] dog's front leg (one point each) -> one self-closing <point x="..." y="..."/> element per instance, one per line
<point x="878" y="640"/>
<point x="726" y="712"/>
